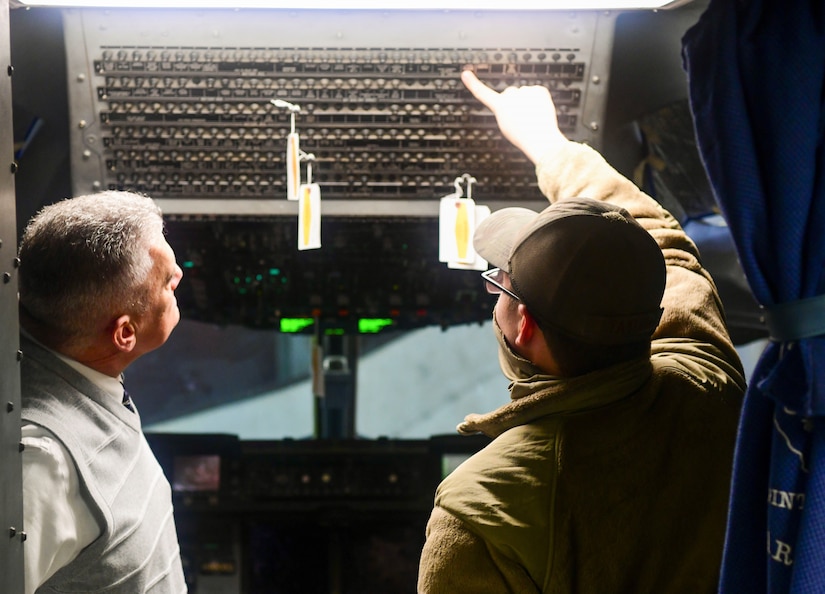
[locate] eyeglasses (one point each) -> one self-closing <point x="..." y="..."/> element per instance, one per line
<point x="494" y="283"/>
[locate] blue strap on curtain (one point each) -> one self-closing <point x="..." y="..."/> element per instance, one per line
<point x="796" y="320"/>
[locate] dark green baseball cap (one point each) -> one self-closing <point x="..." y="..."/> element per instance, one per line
<point x="583" y="267"/>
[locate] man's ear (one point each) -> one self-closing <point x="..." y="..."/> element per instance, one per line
<point x="123" y="334"/>
<point x="527" y="327"/>
<point x="531" y="343"/>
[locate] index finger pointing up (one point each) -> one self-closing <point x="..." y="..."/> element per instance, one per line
<point x="479" y="90"/>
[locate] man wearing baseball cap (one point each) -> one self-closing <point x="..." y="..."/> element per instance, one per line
<point x="609" y="469"/>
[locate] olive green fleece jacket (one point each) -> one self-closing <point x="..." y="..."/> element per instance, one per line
<point x="612" y="482"/>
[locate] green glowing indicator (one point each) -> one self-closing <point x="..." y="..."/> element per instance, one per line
<point x="293" y="325"/>
<point x="334" y="331"/>
<point x="259" y="277"/>
<point x="274" y="271"/>
<point x="189" y="264"/>
<point x="373" y="325"/>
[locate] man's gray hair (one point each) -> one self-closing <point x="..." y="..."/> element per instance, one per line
<point x="85" y="260"/>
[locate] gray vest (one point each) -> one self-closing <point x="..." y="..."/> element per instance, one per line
<point x="120" y="478"/>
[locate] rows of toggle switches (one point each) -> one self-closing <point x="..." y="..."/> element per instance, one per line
<point x="380" y="123"/>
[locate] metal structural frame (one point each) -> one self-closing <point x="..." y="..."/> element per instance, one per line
<point x="12" y="533"/>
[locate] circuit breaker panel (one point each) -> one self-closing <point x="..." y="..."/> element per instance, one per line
<point x="178" y="103"/>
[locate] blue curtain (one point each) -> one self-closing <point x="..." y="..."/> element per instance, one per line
<point x="756" y="74"/>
